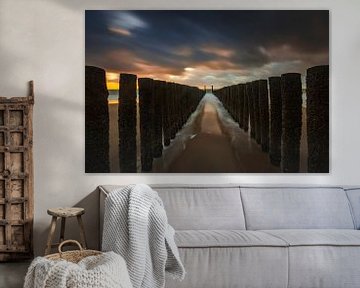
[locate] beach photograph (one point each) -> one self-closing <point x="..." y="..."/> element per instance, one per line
<point x="207" y="91"/>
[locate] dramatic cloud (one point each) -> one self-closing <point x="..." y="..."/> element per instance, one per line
<point x="124" y="23"/>
<point x="206" y="47"/>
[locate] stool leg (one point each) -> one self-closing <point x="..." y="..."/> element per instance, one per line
<point x="82" y="232"/>
<point x="51" y="235"/>
<point x="62" y="231"/>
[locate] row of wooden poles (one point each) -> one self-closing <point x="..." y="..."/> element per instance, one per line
<point x="164" y="107"/>
<point x="272" y="110"/>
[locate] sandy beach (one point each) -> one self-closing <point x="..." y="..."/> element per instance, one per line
<point x="209" y="151"/>
<point x="210" y="142"/>
<point x="220" y="146"/>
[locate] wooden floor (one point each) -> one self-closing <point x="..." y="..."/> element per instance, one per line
<point x="12" y="274"/>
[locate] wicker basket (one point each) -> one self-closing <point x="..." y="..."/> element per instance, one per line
<point x="72" y="256"/>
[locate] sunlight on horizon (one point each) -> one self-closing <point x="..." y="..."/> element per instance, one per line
<point x="112" y="79"/>
<point x="113" y="101"/>
<point x="112" y="85"/>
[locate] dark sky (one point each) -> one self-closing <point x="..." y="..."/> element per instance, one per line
<point x="206" y="47"/>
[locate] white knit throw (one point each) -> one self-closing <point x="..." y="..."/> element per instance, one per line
<point x="104" y="271"/>
<point x="136" y="227"/>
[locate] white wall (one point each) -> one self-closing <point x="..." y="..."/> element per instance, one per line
<point x="43" y="40"/>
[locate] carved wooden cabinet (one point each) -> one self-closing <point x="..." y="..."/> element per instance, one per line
<point x="16" y="177"/>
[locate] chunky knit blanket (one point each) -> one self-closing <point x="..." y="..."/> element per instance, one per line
<point x="136" y="227"/>
<point x="103" y="271"/>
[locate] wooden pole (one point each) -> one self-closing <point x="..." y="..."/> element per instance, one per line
<point x="180" y="104"/>
<point x="276" y="116"/>
<point x="146" y="99"/>
<point x="185" y="103"/>
<point x="127" y="123"/>
<point x="251" y="99"/>
<point x="233" y="101"/>
<point x="241" y="104"/>
<point x="229" y="99"/>
<point x="96" y="121"/>
<point x="157" y="139"/>
<point x="173" y="110"/>
<point x="175" y="126"/>
<point x="317" y="108"/>
<point x="166" y="114"/>
<point x="236" y="103"/>
<point x="255" y="94"/>
<point x="226" y="98"/>
<point x="245" y="109"/>
<point x="291" y="91"/>
<point x="264" y="114"/>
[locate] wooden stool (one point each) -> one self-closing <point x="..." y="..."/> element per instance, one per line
<point x="64" y="213"/>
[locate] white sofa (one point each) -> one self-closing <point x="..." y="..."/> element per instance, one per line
<point x="242" y="236"/>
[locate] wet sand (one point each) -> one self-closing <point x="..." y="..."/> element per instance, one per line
<point x="212" y="151"/>
<point x="209" y="151"/>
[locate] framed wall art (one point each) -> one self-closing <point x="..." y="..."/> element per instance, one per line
<point x="207" y="91"/>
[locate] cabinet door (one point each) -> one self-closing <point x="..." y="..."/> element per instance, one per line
<point x="16" y="199"/>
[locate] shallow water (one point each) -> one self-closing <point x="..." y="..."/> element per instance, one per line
<point x="248" y="155"/>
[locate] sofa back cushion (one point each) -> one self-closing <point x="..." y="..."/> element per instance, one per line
<point x="203" y="208"/>
<point x="354" y="198"/>
<point x="296" y="208"/>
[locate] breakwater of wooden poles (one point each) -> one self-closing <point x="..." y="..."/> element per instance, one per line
<point x="272" y="110"/>
<point x="164" y="108"/>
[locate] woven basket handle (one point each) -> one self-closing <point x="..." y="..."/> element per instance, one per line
<point x="69" y="241"/>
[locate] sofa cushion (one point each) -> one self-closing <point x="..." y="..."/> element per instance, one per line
<point x="203" y="208"/>
<point x="198" y="206"/>
<point x="322" y="258"/>
<point x="317" y="237"/>
<point x="226" y="238"/>
<point x="324" y="266"/>
<point x="354" y="198"/>
<point x="220" y="267"/>
<point x="296" y="208"/>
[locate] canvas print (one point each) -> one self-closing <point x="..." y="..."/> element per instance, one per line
<point x="218" y="91"/>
